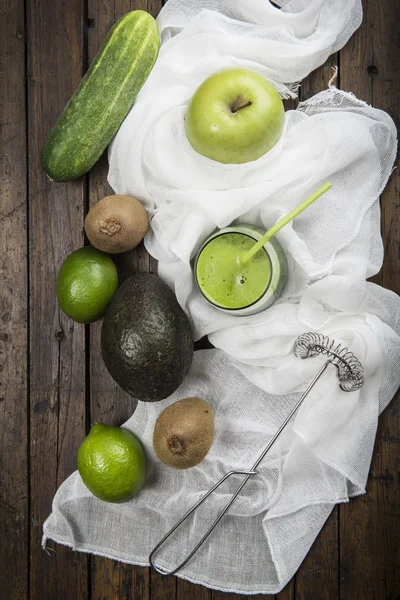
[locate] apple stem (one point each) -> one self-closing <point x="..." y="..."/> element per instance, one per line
<point x="239" y="104"/>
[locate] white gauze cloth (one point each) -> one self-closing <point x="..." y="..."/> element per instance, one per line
<point x="252" y="379"/>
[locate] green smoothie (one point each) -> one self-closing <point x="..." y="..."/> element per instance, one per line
<point x="221" y="277"/>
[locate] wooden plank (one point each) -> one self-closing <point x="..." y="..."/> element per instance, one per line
<point x="186" y="590"/>
<point x="288" y="592"/>
<point x="112" y="580"/>
<point x="163" y="587"/>
<point x="108" y="403"/>
<point x="386" y="463"/>
<point x="369" y="525"/>
<point x="57" y="345"/>
<point x="318" y="574"/>
<point x="14" y="489"/>
<point x="226" y="596"/>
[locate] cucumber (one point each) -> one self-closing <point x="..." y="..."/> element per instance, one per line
<point x="103" y="98"/>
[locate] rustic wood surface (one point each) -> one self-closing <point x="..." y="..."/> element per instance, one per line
<point x="52" y="381"/>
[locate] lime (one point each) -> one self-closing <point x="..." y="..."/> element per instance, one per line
<point x="86" y="282"/>
<point x="112" y="463"/>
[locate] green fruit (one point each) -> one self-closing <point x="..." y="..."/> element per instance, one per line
<point x="146" y="339"/>
<point x="103" y="98"/>
<point x="234" y="117"/>
<point x="86" y="282"/>
<point x="112" y="463"/>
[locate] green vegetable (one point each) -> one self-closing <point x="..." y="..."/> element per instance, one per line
<point x="146" y="339"/>
<point x="103" y="98"/>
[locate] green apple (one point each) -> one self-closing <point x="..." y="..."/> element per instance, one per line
<point x="234" y="117"/>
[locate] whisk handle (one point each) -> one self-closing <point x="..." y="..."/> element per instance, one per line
<point x="290" y="415"/>
<point x="162" y="571"/>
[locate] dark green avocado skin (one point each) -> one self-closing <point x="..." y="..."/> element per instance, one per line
<point x="146" y="339"/>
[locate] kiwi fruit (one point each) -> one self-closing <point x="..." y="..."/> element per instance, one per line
<point x="116" y="224"/>
<point x="184" y="433"/>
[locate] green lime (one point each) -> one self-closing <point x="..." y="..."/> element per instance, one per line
<point x="86" y="282"/>
<point x="112" y="463"/>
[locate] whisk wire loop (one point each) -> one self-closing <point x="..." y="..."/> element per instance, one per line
<point x="350" y="370"/>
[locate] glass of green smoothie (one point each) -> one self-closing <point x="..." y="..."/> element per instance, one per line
<point x="233" y="287"/>
<point x="242" y="269"/>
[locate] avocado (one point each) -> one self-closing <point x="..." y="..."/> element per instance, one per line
<point x="146" y="339"/>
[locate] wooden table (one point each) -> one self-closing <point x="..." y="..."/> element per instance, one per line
<point x="53" y="383"/>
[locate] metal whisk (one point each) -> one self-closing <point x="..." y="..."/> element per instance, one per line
<point x="351" y="377"/>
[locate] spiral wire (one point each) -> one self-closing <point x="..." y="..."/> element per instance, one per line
<point x="350" y="370"/>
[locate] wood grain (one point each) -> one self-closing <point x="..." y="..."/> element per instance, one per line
<point x="112" y="580"/>
<point x="109" y="403"/>
<point x="318" y="575"/>
<point x="215" y="595"/>
<point x="57" y="345"/>
<point x="162" y="587"/>
<point x="288" y="592"/>
<point x="14" y="489"/>
<point x="53" y="382"/>
<point x="370" y="525"/>
<point x="186" y="590"/>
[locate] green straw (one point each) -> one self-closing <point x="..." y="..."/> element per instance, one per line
<point x="284" y="221"/>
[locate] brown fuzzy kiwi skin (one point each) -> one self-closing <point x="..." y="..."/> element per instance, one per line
<point x="116" y="224"/>
<point x="183" y="433"/>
